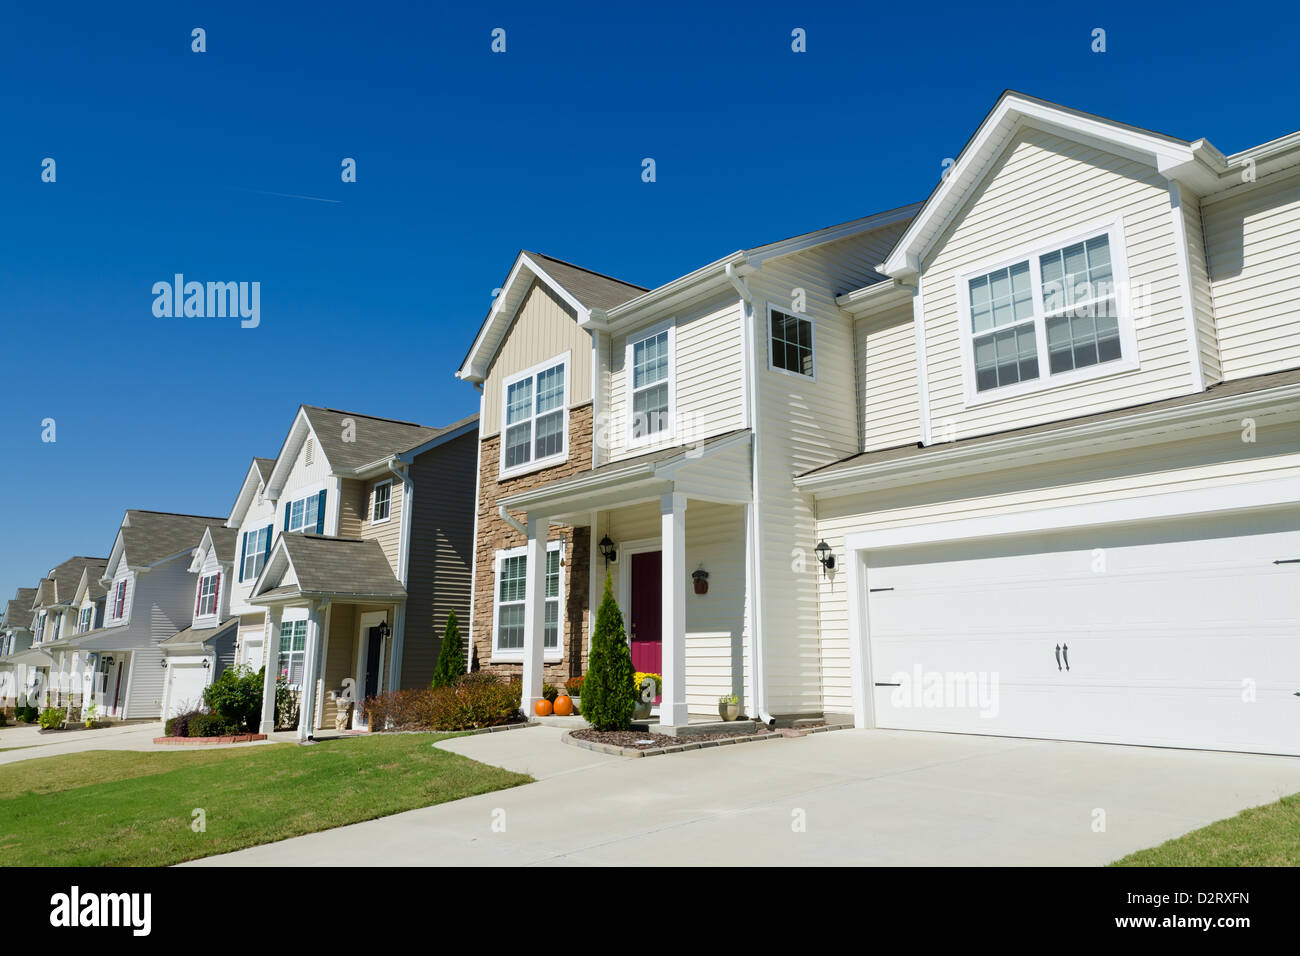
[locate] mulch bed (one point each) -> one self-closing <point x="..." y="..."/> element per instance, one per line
<point x="193" y="741"/>
<point x="636" y="740"/>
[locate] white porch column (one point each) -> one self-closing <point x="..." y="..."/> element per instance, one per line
<point x="534" y="615"/>
<point x="310" y="667"/>
<point x="271" y="665"/>
<point x="672" y="705"/>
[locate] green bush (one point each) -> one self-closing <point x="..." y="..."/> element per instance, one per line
<point x="26" y="715"/>
<point x="236" y="697"/>
<point x="52" y="717"/>
<point x="550" y="692"/>
<point x="477" y="700"/>
<point x="286" y="705"/>
<point x="210" y="725"/>
<point x="398" y="710"/>
<point x="178" y="726"/>
<point x="451" y="659"/>
<point x="607" y="693"/>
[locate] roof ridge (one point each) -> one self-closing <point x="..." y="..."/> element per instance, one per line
<point x="373" y="418"/>
<point x="574" y="265"/>
<point x="172" y="514"/>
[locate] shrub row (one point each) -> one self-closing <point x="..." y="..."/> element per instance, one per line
<point x="474" y="700"/>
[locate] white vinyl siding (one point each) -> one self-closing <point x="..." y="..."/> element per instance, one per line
<point x="886" y="382"/>
<point x="1254" y="265"/>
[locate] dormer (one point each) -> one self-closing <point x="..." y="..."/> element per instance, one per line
<point x="212" y="566"/>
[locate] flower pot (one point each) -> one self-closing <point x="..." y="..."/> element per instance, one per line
<point x="642" y="709"/>
<point x="576" y="702"/>
<point x="728" y="711"/>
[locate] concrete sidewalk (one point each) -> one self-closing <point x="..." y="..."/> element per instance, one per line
<point x="31" y="743"/>
<point x="844" y="798"/>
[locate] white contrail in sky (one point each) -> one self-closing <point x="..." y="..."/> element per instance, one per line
<point x="285" y="195"/>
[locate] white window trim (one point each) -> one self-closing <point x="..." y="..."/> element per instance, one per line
<point x="291" y="652"/>
<point x="669" y="326"/>
<point x="304" y="498"/>
<point x="1113" y="229"/>
<point x="82" y="613"/>
<point x="373" y="490"/>
<point x="126" y="600"/>
<point x="511" y="655"/>
<point x="536" y="464"/>
<point x="257" y="555"/>
<point x="767" y="333"/>
<point x="216" y="593"/>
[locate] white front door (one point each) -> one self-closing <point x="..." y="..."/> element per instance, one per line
<point x="252" y="655"/>
<point x="1175" y="633"/>
<point x="188" y="682"/>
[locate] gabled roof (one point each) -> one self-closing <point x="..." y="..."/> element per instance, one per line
<point x="1196" y="164"/>
<point x="89" y="586"/>
<point x="148" y="537"/>
<point x="264" y="467"/>
<point x="199" y="635"/>
<point x="60" y="585"/>
<point x="322" y="566"/>
<point x="18" y="612"/>
<point x="220" y="540"/>
<point x="255" y="479"/>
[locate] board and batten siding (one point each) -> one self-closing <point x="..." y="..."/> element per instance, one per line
<point x="1041" y="187"/>
<point x="544" y="327"/>
<point x="1218" y="461"/>
<point x="441" y="564"/>
<point x="1254" y="262"/>
<point x="708" y="370"/>
<point x="886" y="382"/>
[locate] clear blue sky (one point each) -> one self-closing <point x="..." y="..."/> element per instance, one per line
<point x="167" y="159"/>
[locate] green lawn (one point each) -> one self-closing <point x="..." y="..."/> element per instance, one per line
<point x="1262" y="836"/>
<point x="119" y="808"/>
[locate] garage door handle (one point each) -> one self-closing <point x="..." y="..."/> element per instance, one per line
<point x="1065" y="652"/>
<point x="1058" y="657"/>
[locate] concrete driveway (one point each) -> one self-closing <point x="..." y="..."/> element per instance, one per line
<point x="849" y="797"/>
<point x="26" y="742"/>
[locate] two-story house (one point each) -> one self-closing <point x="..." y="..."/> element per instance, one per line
<point x="54" y="620"/>
<point x="149" y="594"/>
<point x="1019" y="460"/>
<point x="353" y="548"/>
<point x="15" y="639"/>
<point x="75" y="668"/>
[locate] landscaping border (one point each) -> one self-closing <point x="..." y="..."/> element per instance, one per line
<point x="573" y="741"/>
<point x="233" y="739"/>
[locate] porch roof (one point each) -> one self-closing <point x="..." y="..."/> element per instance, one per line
<point x="716" y="469"/>
<point x="33" y="657"/>
<point x="194" y="636"/>
<point x="311" y="565"/>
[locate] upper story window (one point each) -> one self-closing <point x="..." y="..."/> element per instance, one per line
<point x="85" y="618"/>
<point x="381" y="502"/>
<point x="306" y="514"/>
<point x="209" y="591"/>
<point x="119" y="600"/>
<point x="256" y="547"/>
<point x="512" y="574"/>
<point x="791" y="343"/>
<point x="535" y="407"/>
<point x="1062" y="302"/>
<point x="650" y="385"/>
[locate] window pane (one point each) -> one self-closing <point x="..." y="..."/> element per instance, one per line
<point x="550" y="434"/>
<point x="295" y="515"/>
<point x="553" y="573"/>
<point x="650" y="411"/>
<point x="550" y="389"/>
<point x="650" y="360"/>
<point x="792" y="343"/>
<point x="299" y="635"/>
<point x="551" y="629"/>
<point x="519" y="401"/>
<point x="518" y="444"/>
<point x="510" y="626"/>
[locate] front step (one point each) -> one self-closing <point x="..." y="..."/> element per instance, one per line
<point x="688" y="730"/>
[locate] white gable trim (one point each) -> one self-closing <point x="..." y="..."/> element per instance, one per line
<point x="288" y="457"/>
<point x="247" y="492"/>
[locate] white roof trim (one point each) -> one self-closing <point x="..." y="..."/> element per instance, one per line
<point x="244" y="500"/>
<point x="1197" y="165"/>
<point x="278" y="550"/>
<point x="284" y="462"/>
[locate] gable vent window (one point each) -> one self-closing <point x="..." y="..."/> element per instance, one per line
<point x="309" y="454"/>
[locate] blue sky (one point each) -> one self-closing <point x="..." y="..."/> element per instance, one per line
<point x="168" y="161"/>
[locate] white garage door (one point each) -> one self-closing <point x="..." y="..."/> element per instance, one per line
<point x="187" y="684"/>
<point x="1177" y="634"/>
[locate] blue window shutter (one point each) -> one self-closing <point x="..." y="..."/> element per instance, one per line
<point x="286" y="515"/>
<point x="320" y="514"/>
<point x="267" y="555"/>
<point x="243" y="547"/>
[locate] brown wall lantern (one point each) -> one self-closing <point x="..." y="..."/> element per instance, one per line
<point x="701" y="578"/>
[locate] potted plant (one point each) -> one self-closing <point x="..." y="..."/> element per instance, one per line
<point x="574" y="687"/>
<point x="729" y="707"/>
<point x="647" y="686"/>
<point x="88" y="715"/>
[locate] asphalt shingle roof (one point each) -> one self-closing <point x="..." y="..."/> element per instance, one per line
<point x="341" y="566"/>
<point x="592" y="289"/>
<point x="375" y="438"/>
<point x="18" y="612"/>
<point x="60" y="585"/>
<point x="150" y="536"/>
<point x="223" y="541"/>
<point x="193" y="635"/>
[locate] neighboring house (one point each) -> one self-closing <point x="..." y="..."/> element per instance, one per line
<point x="76" y="669"/>
<point x="354" y="546"/>
<point x="198" y="654"/>
<point x="15" y="639"/>
<point x="54" y="619"/>
<point x="149" y="598"/>
<point x="1037" y="437"/>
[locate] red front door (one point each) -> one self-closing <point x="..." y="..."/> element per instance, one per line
<point x="647" y="612"/>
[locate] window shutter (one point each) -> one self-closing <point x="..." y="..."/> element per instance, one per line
<point x="286" y="515"/>
<point x="243" y="547"/>
<point x="320" y="514"/>
<point x="198" y="598"/>
<point x="216" y="594"/>
<point x="267" y="555"/>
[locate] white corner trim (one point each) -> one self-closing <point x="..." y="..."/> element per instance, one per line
<point x="922" y="371"/>
<point x="1181" y="255"/>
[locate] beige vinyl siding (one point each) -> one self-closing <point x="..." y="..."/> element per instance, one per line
<point x="442" y="553"/>
<point x="707" y="361"/>
<point x="1202" y="301"/>
<point x="545" y="327"/>
<point x="353" y="501"/>
<point x="1254" y="262"/>
<point x="1177" y="466"/>
<point x="387" y="533"/>
<point x="802" y="424"/>
<point x="1044" y="186"/>
<point x="886" y="379"/>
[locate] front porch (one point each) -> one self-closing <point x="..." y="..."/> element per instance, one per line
<point x="673" y="529"/>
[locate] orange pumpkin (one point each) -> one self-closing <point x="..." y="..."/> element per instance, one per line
<point x="542" y="708"/>
<point x="563" y="705"/>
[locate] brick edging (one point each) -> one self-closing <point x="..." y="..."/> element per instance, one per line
<point x="573" y="741"/>
<point x="186" y="741"/>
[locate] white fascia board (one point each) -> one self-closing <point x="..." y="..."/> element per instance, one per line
<point x="245" y="497"/>
<point x="1086" y="439"/>
<point x="667" y="296"/>
<point x="876" y="297"/>
<point x="284" y="462"/>
<point x="785" y="247"/>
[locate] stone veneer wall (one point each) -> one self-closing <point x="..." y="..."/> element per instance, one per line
<point x="495" y="535"/>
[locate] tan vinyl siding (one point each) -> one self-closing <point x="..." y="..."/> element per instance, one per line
<point x="442" y="550"/>
<point x="387" y="533"/>
<point x="886" y="381"/>
<point x="544" y="328"/>
<point x="1254" y="262"/>
<point x="1042" y="187"/>
<point x="1177" y="466"/>
<point x="708" y="367"/>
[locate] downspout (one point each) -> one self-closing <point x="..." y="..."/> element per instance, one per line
<point x="756" y="583"/>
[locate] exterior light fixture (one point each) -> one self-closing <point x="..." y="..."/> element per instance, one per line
<point x="384" y="631"/>
<point x="607" y="550"/>
<point x="701" y="579"/>
<point x="207" y="663"/>
<point x="163" y="663"/>
<point x="825" y="557"/>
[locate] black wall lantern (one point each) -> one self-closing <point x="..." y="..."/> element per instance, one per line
<point x="825" y="557"/>
<point x="607" y="550"/>
<point x="163" y="663"/>
<point x="701" y="579"/>
<point x="384" y="631"/>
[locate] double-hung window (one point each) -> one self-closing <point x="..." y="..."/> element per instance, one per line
<point x="293" y="651"/>
<point x="304" y="513"/>
<point x="209" y="589"/>
<point x="535" y="408"/>
<point x="119" y="600"/>
<point x="382" y="502"/>
<point x="512" y="573"/>
<point x="1050" y="317"/>
<point x="256" y="545"/>
<point x="650" y="385"/>
<point x="791" y="343"/>
<point x="85" y="618"/>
